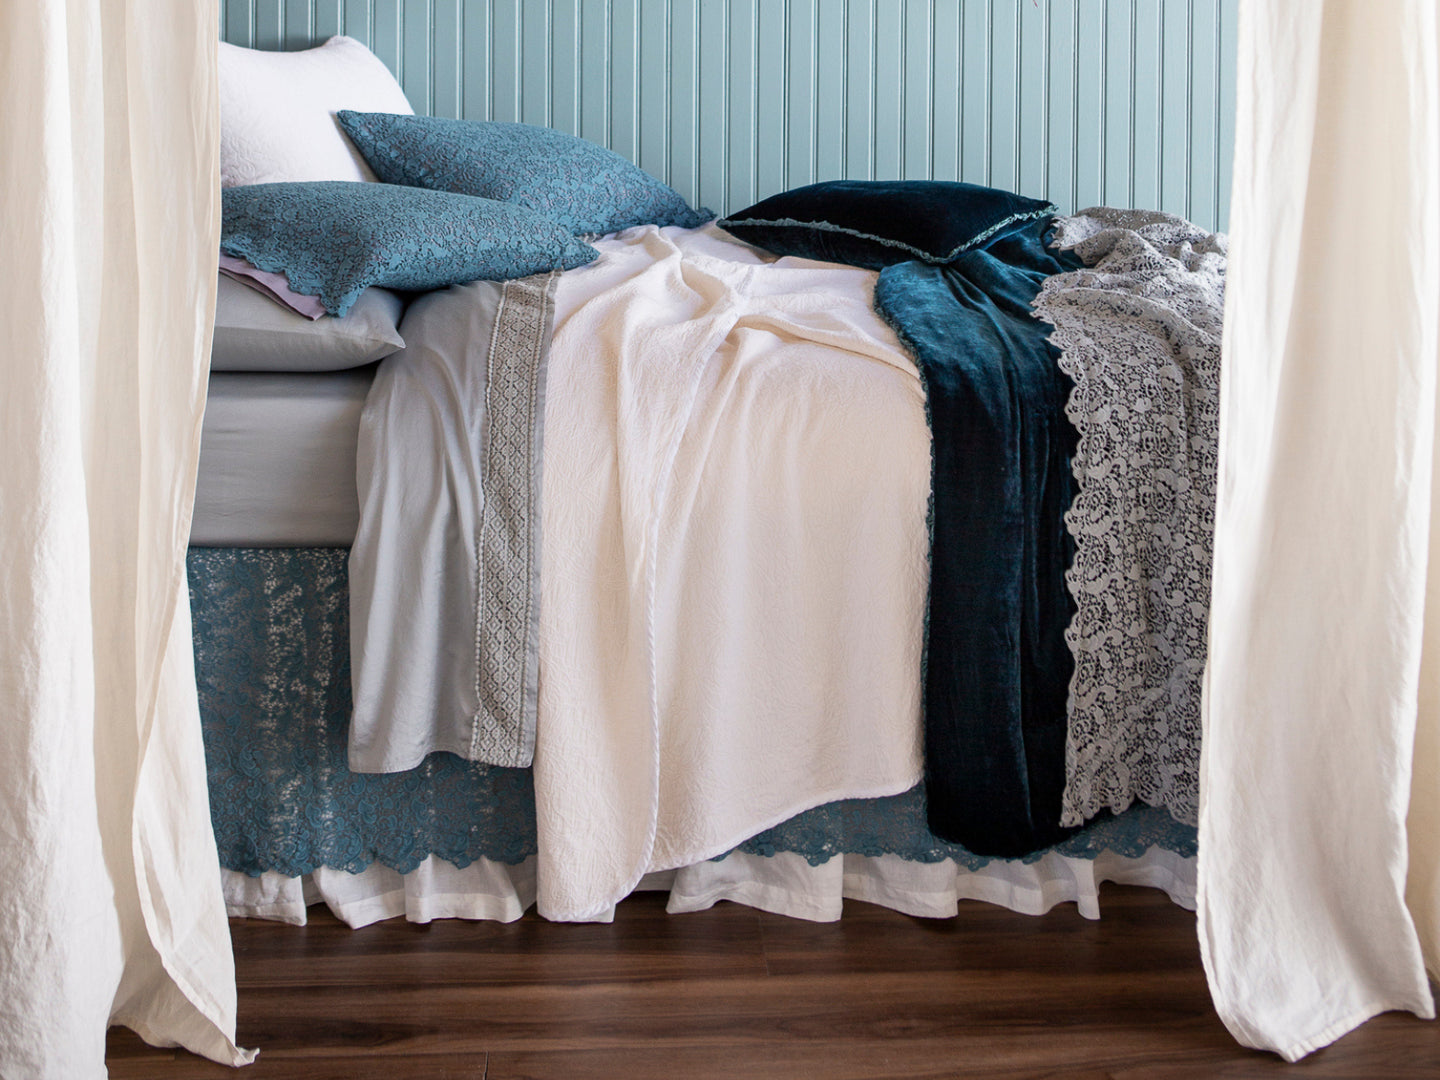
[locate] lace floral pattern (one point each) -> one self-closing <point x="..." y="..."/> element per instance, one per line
<point x="272" y="659"/>
<point x="896" y="826"/>
<point x="580" y="184"/>
<point x="273" y="664"/>
<point x="1139" y="333"/>
<point x="334" y="239"/>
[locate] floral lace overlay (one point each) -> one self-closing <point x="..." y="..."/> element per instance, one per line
<point x="334" y="239"/>
<point x="896" y="826"/>
<point x="1139" y="333"/>
<point x="583" y="186"/>
<point x="272" y="660"/>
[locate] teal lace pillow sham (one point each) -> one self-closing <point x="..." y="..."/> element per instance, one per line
<point x="334" y="238"/>
<point x="877" y="223"/>
<point x="580" y="184"/>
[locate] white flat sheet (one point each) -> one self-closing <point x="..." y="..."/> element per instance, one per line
<point x="277" y="460"/>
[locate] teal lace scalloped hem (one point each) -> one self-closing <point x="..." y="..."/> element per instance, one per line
<point x="272" y="659"/>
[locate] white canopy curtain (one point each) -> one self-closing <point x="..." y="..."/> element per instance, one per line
<point x="1327" y="545"/>
<point x="110" y="904"/>
<point x="1319" y="900"/>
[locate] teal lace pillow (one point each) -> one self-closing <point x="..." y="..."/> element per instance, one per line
<point x="583" y="186"/>
<point x="335" y="238"/>
<point x="878" y="223"/>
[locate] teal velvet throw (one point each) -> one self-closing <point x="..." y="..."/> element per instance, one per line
<point x="997" y="665"/>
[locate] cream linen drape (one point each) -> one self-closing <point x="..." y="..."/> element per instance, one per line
<point x="1323" y="529"/>
<point x="110" y="904"/>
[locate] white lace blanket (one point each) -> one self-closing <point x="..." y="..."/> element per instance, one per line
<point x="1139" y="331"/>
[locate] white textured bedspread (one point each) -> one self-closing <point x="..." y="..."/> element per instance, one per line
<point x="733" y="570"/>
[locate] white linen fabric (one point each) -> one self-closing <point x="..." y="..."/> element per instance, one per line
<point x="733" y="571"/>
<point x="278" y="110"/>
<point x="784" y="883"/>
<point x="1324" y="516"/>
<point x="109" y="905"/>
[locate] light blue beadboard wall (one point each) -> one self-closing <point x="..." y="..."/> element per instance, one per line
<point x="1124" y="102"/>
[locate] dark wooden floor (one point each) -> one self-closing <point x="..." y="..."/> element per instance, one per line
<point x="737" y="993"/>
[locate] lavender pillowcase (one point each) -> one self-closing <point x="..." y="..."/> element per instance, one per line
<point x="275" y="286"/>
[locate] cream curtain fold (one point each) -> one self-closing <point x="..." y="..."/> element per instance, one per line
<point x="110" y="904"/>
<point x="1319" y="891"/>
<point x="1324" y="528"/>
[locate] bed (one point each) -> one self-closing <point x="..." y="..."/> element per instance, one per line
<point x="667" y="506"/>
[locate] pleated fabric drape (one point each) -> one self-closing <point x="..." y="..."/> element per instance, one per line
<point x="110" y="902"/>
<point x="1324" y="586"/>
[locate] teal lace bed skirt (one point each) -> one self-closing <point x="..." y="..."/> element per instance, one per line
<point x="272" y="659"/>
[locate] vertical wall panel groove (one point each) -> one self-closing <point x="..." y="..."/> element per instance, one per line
<point x="1075" y="108"/>
<point x="945" y="93"/>
<point x="1126" y="102"/>
<point x="1228" y="15"/>
<point x="1104" y="106"/>
<point x="830" y="90"/>
<point x="859" y="98"/>
<point x="1130" y="157"/>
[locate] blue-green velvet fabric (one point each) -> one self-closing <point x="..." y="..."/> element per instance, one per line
<point x="997" y="667"/>
<point x="877" y="223"/>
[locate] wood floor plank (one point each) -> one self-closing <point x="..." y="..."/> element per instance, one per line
<point x="642" y="943"/>
<point x="986" y="938"/>
<point x="923" y="1062"/>
<point x="730" y="1012"/>
<point x="735" y="993"/>
<point x="333" y="1066"/>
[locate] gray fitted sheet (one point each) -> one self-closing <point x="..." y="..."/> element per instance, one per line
<point x="277" y="460"/>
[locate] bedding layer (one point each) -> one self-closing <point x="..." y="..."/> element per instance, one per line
<point x="732" y="585"/>
<point x="733" y="563"/>
<point x="445" y="566"/>
<point x="733" y="579"/>
<point x="455" y="838"/>
<point x="784" y="883"/>
<point x="1139" y="329"/>
<point x="1010" y="717"/>
<point x="277" y="460"/>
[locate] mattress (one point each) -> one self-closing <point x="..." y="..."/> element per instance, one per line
<point x="277" y="460"/>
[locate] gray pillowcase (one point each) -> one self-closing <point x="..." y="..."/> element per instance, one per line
<point x="254" y="333"/>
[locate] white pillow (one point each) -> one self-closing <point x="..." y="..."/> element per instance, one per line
<point x="277" y="111"/>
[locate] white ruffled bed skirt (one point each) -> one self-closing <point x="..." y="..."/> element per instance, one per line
<point x="783" y="883"/>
